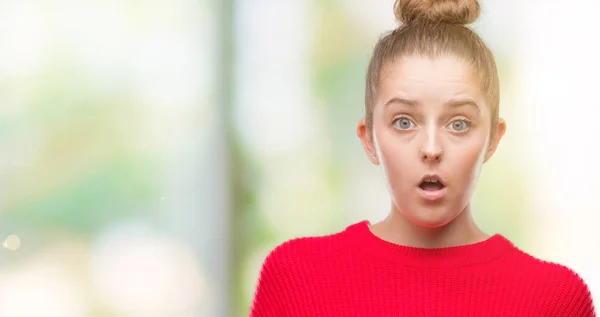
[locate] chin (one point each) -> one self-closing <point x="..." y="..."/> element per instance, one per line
<point x="430" y="218"/>
<point x="428" y="223"/>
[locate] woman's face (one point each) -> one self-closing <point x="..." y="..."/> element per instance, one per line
<point x="431" y="135"/>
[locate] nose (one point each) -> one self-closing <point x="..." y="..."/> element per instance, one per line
<point x="431" y="154"/>
<point x="431" y="150"/>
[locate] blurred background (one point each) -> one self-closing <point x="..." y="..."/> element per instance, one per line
<point x="153" y="152"/>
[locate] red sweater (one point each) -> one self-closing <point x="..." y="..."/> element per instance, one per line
<point x="354" y="273"/>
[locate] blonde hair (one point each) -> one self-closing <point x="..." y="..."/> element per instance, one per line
<point x="434" y="28"/>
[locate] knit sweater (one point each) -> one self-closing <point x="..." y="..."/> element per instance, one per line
<point x="355" y="273"/>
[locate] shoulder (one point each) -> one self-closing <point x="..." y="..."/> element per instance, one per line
<point x="552" y="271"/>
<point x="287" y="268"/>
<point x="310" y="254"/>
<point x="569" y="294"/>
<point x="572" y="296"/>
<point x="297" y="250"/>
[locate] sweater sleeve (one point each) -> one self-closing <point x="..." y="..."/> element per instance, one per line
<point x="575" y="299"/>
<point x="268" y="299"/>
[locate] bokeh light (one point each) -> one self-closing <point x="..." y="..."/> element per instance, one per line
<point x="145" y="274"/>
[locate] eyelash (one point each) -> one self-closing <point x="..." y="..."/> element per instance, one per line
<point x="467" y="123"/>
<point x="396" y="119"/>
<point x="462" y="119"/>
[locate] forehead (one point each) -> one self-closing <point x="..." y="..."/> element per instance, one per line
<point x="424" y="77"/>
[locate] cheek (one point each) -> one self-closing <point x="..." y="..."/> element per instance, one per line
<point x="468" y="161"/>
<point x="397" y="158"/>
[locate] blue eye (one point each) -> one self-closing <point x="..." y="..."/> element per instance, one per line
<point x="460" y="125"/>
<point x="403" y="123"/>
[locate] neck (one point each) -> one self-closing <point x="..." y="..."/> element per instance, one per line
<point x="398" y="230"/>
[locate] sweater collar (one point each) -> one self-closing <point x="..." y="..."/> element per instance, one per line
<point x="455" y="256"/>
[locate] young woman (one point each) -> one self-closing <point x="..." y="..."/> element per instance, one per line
<point x="432" y="99"/>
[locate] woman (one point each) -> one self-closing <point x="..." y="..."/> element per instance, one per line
<point x="432" y="100"/>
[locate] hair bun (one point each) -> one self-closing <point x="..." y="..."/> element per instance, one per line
<point x="437" y="11"/>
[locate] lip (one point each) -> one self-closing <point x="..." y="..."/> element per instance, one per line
<point x="432" y="195"/>
<point x="432" y="176"/>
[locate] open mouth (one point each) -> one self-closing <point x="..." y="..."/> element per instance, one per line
<point x="431" y="184"/>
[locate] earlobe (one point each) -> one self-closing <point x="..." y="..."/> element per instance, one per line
<point x="500" y="130"/>
<point x="374" y="159"/>
<point x="363" y="133"/>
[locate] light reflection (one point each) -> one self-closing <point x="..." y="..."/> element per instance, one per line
<point x="12" y="243"/>
<point x="41" y="288"/>
<point x="138" y="273"/>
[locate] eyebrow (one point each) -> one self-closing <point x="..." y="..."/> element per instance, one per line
<point x="403" y="101"/>
<point x="452" y="103"/>
<point x="461" y="102"/>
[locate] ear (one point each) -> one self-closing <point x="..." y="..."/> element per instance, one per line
<point x="365" y="139"/>
<point x="500" y="130"/>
